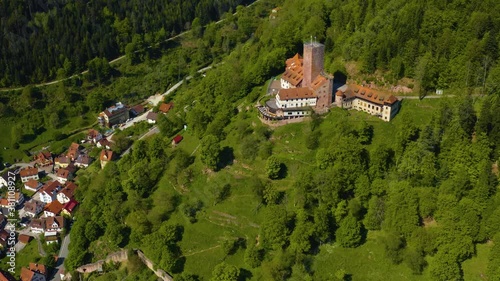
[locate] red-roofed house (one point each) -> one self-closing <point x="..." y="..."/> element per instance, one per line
<point x="5" y="276"/>
<point x="105" y="157"/>
<point x="28" y="275"/>
<point x="23" y="238"/>
<point x="53" y="225"/>
<point x="33" y="208"/>
<point x="62" y="162"/>
<point x="49" y="191"/>
<point x="29" y="173"/>
<point x="69" y="207"/>
<point x="44" y="158"/>
<point x="37" y="226"/>
<point x="32" y="185"/>
<point x="137" y="109"/>
<point x="104" y="143"/>
<point x="166" y="107"/>
<point x="52" y="209"/>
<point x="94" y="136"/>
<point x="66" y="193"/>
<point x="73" y="151"/>
<point x="62" y="175"/>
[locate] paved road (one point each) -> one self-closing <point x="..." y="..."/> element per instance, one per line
<point x="63" y="253"/>
<point x="152" y="131"/>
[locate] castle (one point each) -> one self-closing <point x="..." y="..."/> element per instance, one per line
<point x="304" y="86"/>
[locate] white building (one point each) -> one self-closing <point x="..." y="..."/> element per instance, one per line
<point x="368" y="100"/>
<point x="49" y="191"/>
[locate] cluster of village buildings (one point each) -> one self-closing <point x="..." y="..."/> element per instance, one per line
<point x="305" y="87"/>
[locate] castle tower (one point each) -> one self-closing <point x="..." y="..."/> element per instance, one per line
<point x="314" y="54"/>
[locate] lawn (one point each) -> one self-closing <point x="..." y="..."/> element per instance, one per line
<point x="367" y="262"/>
<point x="23" y="258"/>
<point x="475" y="268"/>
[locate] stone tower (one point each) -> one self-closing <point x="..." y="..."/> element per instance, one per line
<point x="314" y="54"/>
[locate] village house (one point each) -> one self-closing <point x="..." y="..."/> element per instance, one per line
<point x="37" y="226"/>
<point x="69" y="208"/>
<point x="32" y="185"/>
<point x="73" y="151"/>
<point x="114" y="115"/>
<point x="44" y="158"/>
<point x="305" y="87"/>
<point x="63" y="175"/>
<point x="33" y="208"/>
<point x="105" y="157"/>
<point x="368" y="100"/>
<point x="152" y="117"/>
<point x="166" y="107"/>
<point x="52" y="209"/>
<point x="66" y="193"/>
<point x="28" y="275"/>
<point x="104" y="143"/>
<point x="83" y="161"/>
<point x="54" y="225"/>
<point x="29" y="173"/>
<point x="137" y="109"/>
<point x="49" y="191"/>
<point x="62" y="162"/>
<point x="6" y="276"/>
<point x="94" y="136"/>
<point x="24" y="239"/>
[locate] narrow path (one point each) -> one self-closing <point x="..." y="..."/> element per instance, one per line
<point x="201" y="251"/>
<point x="40" y="248"/>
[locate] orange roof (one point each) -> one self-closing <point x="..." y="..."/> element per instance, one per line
<point x="51" y="220"/>
<point x="32" y="183"/>
<point x="28" y="172"/>
<point x="63" y="173"/>
<point x="50" y="186"/>
<point x="318" y="82"/>
<point x="40" y="268"/>
<point x="106" y="155"/>
<point x="69" y="189"/>
<point x="23" y="238"/>
<point x="54" y="207"/>
<point x="93" y="133"/>
<point x="4" y="202"/>
<point x="26" y="274"/>
<point x="165" y="107"/>
<point x="293" y="72"/>
<point x="367" y="94"/>
<point x="296" y="93"/>
<point x="73" y="150"/>
<point x="44" y="155"/>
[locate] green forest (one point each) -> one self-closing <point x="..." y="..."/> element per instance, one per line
<point x="43" y="40"/>
<point x="343" y="196"/>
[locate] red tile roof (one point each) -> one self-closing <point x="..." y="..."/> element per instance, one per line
<point x="32" y="183"/>
<point x="165" y="107"/>
<point x="23" y="238"/>
<point x="70" y="206"/>
<point x="138" y="109"/>
<point x="106" y="155"/>
<point x="54" y="207"/>
<point x="69" y="189"/>
<point x="28" y="172"/>
<point x="50" y="186"/>
<point x="40" y="268"/>
<point x="26" y="274"/>
<point x="296" y="93"/>
<point x="294" y="72"/>
<point x="152" y="116"/>
<point x="63" y="173"/>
